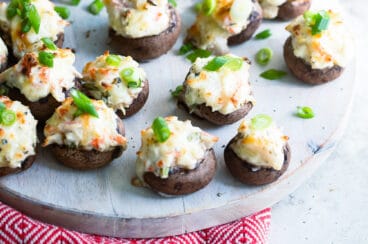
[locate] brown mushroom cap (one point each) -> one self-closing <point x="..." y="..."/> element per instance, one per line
<point x="255" y="21"/>
<point x="292" y="9"/>
<point x="183" y="181"/>
<point x="148" y="47"/>
<point x="87" y="159"/>
<point x="304" y="71"/>
<point x="25" y="165"/>
<point x="244" y="171"/>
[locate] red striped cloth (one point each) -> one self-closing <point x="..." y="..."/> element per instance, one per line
<point x="16" y="228"/>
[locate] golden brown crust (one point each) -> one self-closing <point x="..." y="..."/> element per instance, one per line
<point x="217" y="118"/>
<point x="87" y="159"/>
<point x="255" y="21"/>
<point x="244" y="171"/>
<point x="25" y="165"/>
<point x="304" y="72"/>
<point x="293" y="8"/>
<point x="185" y="181"/>
<point x="149" y="47"/>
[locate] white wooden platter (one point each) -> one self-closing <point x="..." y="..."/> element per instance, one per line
<point x="104" y="201"/>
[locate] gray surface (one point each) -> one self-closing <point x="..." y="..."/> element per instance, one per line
<point x="331" y="207"/>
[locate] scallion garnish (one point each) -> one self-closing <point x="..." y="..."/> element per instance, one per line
<point x="131" y="77"/>
<point x="208" y="6"/>
<point x="74" y="2"/>
<point x="318" y="22"/>
<point x="27" y="12"/>
<point x="46" y="58"/>
<point x="273" y="74"/>
<point x="113" y="60"/>
<point x="83" y="103"/>
<point x="198" y="7"/>
<point x="95" y="7"/>
<point x="263" y="34"/>
<point x="160" y="129"/>
<point x="264" y="56"/>
<point x="49" y="43"/>
<point x="3" y="90"/>
<point x="216" y="63"/>
<point x="173" y="3"/>
<point x="7" y="117"/>
<point x="177" y="91"/>
<point x="198" y="53"/>
<point x="63" y="12"/>
<point x="164" y="172"/>
<point x="186" y="48"/>
<point x="261" y="122"/>
<point x="304" y="112"/>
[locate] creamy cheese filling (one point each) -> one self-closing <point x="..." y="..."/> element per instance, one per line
<point x="17" y="141"/>
<point x="138" y="18"/>
<point x="333" y="46"/>
<point x="36" y="81"/>
<point x="271" y="7"/>
<point x="104" y="82"/>
<point x="229" y="18"/>
<point x="50" y="26"/>
<point x="3" y="52"/>
<point x="84" y="131"/>
<point x="223" y="90"/>
<point x="260" y="147"/>
<point x="185" y="148"/>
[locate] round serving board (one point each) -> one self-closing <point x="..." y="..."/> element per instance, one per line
<point x="104" y="202"/>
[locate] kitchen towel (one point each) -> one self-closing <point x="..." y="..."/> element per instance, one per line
<point x="16" y="228"/>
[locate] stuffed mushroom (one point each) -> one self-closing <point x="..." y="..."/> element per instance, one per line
<point x="142" y="29"/>
<point x="217" y="89"/>
<point x="84" y="134"/>
<point x="23" y="25"/>
<point x="223" y="22"/>
<point x="175" y="158"/>
<point x="18" y="137"/>
<point x="259" y="154"/>
<point x="117" y="80"/>
<point x="41" y="80"/>
<point x="319" y="47"/>
<point x="284" y="9"/>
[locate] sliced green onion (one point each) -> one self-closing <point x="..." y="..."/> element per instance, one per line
<point x="208" y="6"/>
<point x="95" y="7"/>
<point x="317" y="21"/>
<point x="273" y="74"/>
<point x="46" y="58"/>
<point x="304" y="112"/>
<point x="263" y="34"/>
<point x="261" y="122"/>
<point x="26" y="26"/>
<point x="198" y="53"/>
<point x="186" y="48"/>
<point x="49" y="43"/>
<point x="177" y="91"/>
<point x="164" y="172"/>
<point x="131" y="77"/>
<point x="34" y="18"/>
<point x="11" y="10"/>
<point x="113" y="60"/>
<point x="234" y="64"/>
<point x="3" y="90"/>
<point x="198" y="7"/>
<point x="8" y="117"/>
<point x="160" y="129"/>
<point x="216" y="63"/>
<point x="173" y="3"/>
<point x="83" y="103"/>
<point x="63" y="12"/>
<point x="264" y="56"/>
<point x="74" y="2"/>
<point x="2" y="106"/>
